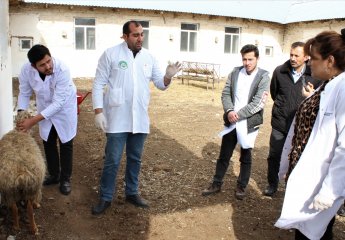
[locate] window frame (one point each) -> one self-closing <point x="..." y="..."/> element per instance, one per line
<point x="86" y="34"/>
<point x="146" y="43"/>
<point x="231" y="43"/>
<point x="21" y="39"/>
<point x="189" y="33"/>
<point x="270" y="48"/>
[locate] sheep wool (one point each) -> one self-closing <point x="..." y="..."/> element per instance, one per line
<point x="22" y="168"/>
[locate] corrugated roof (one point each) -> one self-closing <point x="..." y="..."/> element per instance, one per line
<point x="272" y="11"/>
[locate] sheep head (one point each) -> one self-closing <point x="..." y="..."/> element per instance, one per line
<point x="22" y="115"/>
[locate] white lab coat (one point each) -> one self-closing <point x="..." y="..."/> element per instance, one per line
<point x="321" y="167"/>
<point x="122" y="88"/>
<point x="56" y="99"/>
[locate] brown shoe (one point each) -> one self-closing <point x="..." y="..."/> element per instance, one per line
<point x="240" y="193"/>
<point x="212" y="189"/>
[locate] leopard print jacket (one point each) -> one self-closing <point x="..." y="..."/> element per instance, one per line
<point x="305" y="119"/>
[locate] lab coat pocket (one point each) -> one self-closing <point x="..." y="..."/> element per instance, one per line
<point x="148" y="71"/>
<point x="116" y="97"/>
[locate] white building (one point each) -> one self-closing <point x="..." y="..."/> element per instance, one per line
<point x="6" y="108"/>
<point x="78" y="31"/>
<point x="211" y="31"/>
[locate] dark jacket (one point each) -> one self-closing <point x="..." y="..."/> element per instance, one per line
<point x="258" y="93"/>
<point x="287" y="95"/>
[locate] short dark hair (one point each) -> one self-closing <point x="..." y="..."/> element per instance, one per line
<point x="125" y="28"/>
<point x="37" y="53"/>
<point x="297" y="44"/>
<point x="250" y="48"/>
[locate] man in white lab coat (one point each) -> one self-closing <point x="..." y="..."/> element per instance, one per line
<point x="56" y="101"/>
<point x="121" y="94"/>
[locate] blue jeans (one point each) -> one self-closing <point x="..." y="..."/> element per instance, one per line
<point x="113" y="154"/>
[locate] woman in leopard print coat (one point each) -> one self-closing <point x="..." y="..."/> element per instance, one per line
<point x="313" y="159"/>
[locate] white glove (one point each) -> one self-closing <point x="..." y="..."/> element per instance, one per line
<point x="172" y="69"/>
<point x="100" y="121"/>
<point x="321" y="202"/>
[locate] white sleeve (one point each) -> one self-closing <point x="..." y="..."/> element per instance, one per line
<point x="101" y="80"/>
<point x="284" y="161"/>
<point x="157" y="75"/>
<point x="334" y="182"/>
<point x="62" y="92"/>
<point x="25" y="90"/>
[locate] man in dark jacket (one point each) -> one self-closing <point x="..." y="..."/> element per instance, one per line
<point x="286" y="87"/>
<point x="243" y="99"/>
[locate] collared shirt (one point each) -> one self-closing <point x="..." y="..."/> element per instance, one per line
<point x="56" y="99"/>
<point x="296" y="75"/>
<point x="122" y="88"/>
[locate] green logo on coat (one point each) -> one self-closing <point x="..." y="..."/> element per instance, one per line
<point x="123" y="65"/>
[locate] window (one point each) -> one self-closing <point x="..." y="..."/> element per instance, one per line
<point x="269" y="51"/>
<point x="146" y="26"/>
<point x="189" y="37"/>
<point x="85" y="33"/>
<point x="25" y="44"/>
<point x="232" y="40"/>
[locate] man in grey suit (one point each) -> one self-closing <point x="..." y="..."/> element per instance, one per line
<point x="243" y="100"/>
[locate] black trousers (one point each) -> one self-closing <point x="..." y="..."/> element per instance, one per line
<point x="58" y="164"/>
<point x="277" y="141"/>
<point x="328" y="235"/>
<point x="227" y="147"/>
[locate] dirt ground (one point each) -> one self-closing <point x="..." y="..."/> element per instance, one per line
<point x="178" y="162"/>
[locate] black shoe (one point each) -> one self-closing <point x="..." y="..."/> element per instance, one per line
<point x="65" y="187"/>
<point x="269" y="191"/>
<point x="100" y="207"/>
<point x="341" y="211"/>
<point x="137" y="201"/>
<point x="49" y="180"/>
<point x="240" y="193"/>
<point x="212" y="189"/>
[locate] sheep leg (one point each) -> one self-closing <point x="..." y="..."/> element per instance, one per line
<point x="30" y="213"/>
<point x="15" y="216"/>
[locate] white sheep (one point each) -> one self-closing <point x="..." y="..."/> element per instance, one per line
<point x="22" y="172"/>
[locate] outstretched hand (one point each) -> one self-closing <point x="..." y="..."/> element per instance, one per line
<point x="172" y="69"/>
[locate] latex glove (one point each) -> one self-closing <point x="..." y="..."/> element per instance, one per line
<point x="321" y="202"/>
<point x="172" y="69"/>
<point x="100" y="121"/>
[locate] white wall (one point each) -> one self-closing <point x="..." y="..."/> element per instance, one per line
<point x="22" y="26"/>
<point x="6" y="106"/>
<point x="47" y="25"/>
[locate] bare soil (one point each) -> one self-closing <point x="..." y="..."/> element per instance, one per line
<point x="178" y="162"/>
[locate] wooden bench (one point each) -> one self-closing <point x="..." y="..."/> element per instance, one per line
<point x="199" y="71"/>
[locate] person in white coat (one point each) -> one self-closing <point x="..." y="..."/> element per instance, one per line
<point x="313" y="158"/>
<point x="56" y="101"/>
<point x="121" y="95"/>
